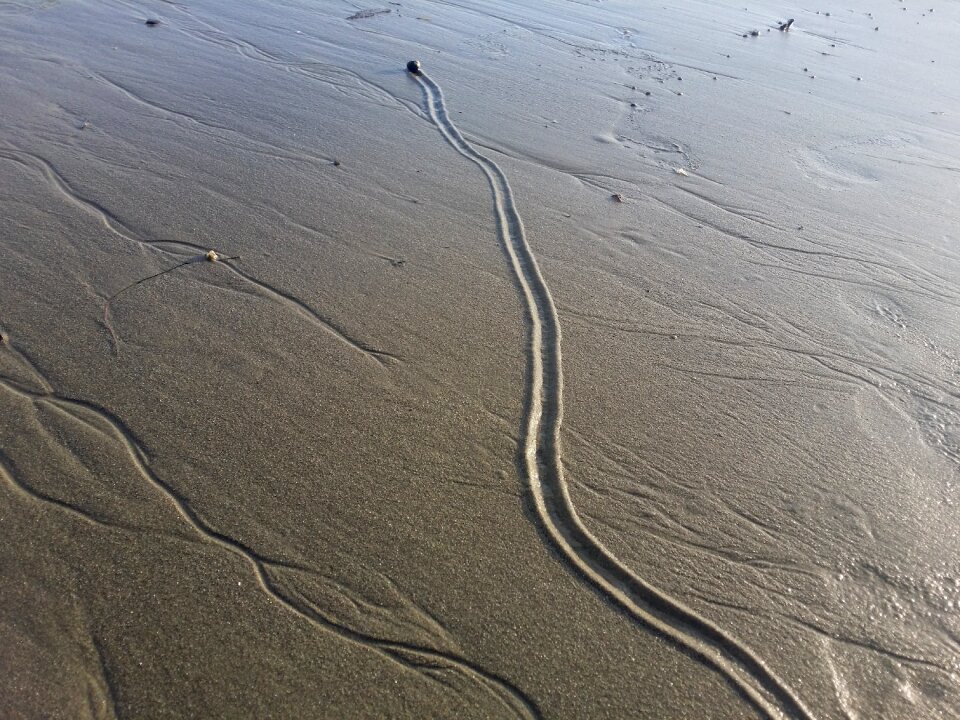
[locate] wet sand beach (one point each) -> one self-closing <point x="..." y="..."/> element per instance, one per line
<point x="608" y="368"/>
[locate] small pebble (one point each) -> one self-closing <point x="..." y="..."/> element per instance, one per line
<point x="336" y="163"/>
<point x="212" y="256"/>
<point x="413" y="66"/>
<point x="152" y="22"/>
<point x="647" y="93"/>
<point x="618" y="197"/>
<point x="633" y="104"/>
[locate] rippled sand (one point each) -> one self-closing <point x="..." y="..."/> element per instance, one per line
<point x="623" y="383"/>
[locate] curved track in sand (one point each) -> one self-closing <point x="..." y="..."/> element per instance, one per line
<point x="543" y="470"/>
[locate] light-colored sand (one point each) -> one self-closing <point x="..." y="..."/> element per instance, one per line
<point x="290" y="484"/>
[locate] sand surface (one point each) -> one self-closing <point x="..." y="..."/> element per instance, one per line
<point x="610" y="369"/>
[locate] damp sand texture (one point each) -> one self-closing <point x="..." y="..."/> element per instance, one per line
<point x="341" y="472"/>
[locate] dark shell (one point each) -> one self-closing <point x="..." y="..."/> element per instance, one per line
<point x="414" y="67"/>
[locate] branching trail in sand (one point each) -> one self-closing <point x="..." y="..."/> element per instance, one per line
<point x="187" y="253"/>
<point x="543" y="469"/>
<point x="441" y="666"/>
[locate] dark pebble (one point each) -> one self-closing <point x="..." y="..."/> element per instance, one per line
<point x="152" y="22"/>
<point x="413" y="66"/>
<point x="336" y="163"/>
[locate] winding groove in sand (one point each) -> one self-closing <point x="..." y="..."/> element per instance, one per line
<point x="432" y="663"/>
<point x="543" y="469"/>
<point x="168" y="247"/>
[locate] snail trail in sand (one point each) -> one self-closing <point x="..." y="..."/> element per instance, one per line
<point x="542" y="469"/>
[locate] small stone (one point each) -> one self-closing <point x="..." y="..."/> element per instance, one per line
<point x="647" y="93"/>
<point x="152" y="22"/>
<point x="211" y="256"/>
<point x="859" y="78"/>
<point x="3" y="339"/>
<point x="633" y="104"/>
<point x="336" y="163"/>
<point x="674" y="337"/>
<point x="618" y="197"/>
<point x="413" y="66"/>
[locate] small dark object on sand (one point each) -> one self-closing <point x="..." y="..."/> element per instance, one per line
<point x="633" y="104"/>
<point x="617" y="196"/>
<point x="755" y="33"/>
<point x="364" y="14"/>
<point x="413" y="66"/>
<point x="786" y="26"/>
<point x="647" y="93"/>
<point x="336" y="163"/>
<point x="152" y="22"/>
